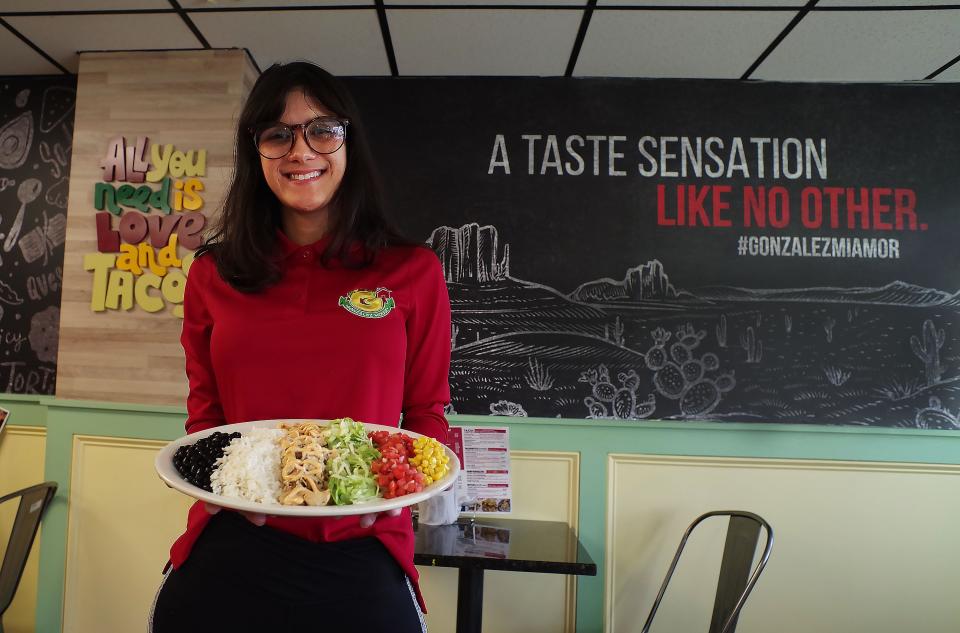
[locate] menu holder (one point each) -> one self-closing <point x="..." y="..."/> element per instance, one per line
<point x="484" y="483"/>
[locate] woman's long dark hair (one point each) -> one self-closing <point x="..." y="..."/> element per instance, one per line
<point x="243" y="242"/>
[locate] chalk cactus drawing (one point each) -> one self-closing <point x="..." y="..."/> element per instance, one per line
<point x="636" y="347"/>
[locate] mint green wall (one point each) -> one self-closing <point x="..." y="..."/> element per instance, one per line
<point x="594" y="440"/>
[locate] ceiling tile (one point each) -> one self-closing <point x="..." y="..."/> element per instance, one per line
<point x="865" y="46"/>
<point x="483" y="42"/>
<point x="492" y="3"/>
<point x="715" y="44"/>
<point x="345" y="42"/>
<point x="16" y="58"/>
<point x="706" y="3"/>
<point x="268" y="4"/>
<point x="80" y="5"/>
<point x="62" y="36"/>
<point x="878" y="3"/>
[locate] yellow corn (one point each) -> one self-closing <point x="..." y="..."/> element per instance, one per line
<point x="430" y="459"/>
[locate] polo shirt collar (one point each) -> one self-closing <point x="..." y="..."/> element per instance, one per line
<point x="288" y="248"/>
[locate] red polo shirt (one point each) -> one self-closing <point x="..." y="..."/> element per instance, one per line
<point x="293" y="351"/>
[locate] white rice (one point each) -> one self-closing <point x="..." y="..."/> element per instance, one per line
<point x="250" y="467"/>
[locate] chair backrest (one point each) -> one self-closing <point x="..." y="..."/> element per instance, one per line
<point x="33" y="501"/>
<point x="736" y="580"/>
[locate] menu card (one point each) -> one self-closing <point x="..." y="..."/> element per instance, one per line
<point x="484" y="481"/>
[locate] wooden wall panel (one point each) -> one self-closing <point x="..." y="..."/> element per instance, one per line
<point x="189" y="99"/>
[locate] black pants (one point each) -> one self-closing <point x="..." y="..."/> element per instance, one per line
<point x="241" y="577"/>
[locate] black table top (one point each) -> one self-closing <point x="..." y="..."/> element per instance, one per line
<point x="549" y="547"/>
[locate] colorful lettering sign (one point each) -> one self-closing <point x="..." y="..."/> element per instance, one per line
<point x="140" y="226"/>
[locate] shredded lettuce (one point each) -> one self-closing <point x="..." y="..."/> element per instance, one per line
<point x="351" y="480"/>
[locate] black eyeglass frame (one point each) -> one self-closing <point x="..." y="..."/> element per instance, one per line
<point x="255" y="130"/>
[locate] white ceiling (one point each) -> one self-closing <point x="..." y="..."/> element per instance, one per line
<point x="789" y="40"/>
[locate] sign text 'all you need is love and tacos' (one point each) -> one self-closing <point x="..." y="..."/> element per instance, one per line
<point x="148" y="204"/>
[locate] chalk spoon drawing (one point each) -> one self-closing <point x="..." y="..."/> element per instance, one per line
<point x="27" y="192"/>
<point x="15" y="139"/>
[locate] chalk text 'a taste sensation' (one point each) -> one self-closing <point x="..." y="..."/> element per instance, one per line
<point x="665" y="156"/>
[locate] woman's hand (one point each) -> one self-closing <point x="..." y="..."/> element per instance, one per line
<point x="257" y="518"/>
<point x="366" y="520"/>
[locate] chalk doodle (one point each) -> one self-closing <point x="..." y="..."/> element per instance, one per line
<point x="58" y="103"/>
<point x="9" y="295"/>
<point x="43" y="239"/>
<point x="15" y="141"/>
<point x="57" y="194"/>
<point x="36" y="141"/>
<point x="56" y="158"/>
<point x="41" y="286"/>
<point x="27" y="192"/>
<point x="11" y="340"/>
<point x="43" y="334"/>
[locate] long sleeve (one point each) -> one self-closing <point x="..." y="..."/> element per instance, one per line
<point x="204" y="409"/>
<point x="426" y="388"/>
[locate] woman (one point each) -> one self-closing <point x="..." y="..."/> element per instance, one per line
<point x="306" y="303"/>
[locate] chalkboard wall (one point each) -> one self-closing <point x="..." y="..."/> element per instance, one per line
<point x="36" y="138"/>
<point x="686" y="250"/>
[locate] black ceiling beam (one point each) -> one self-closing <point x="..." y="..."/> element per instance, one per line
<point x="950" y="63"/>
<point x="776" y="42"/>
<point x="31" y="14"/>
<point x="581" y="35"/>
<point x="889" y="7"/>
<point x="36" y="48"/>
<point x="190" y="25"/>
<point x="387" y="40"/>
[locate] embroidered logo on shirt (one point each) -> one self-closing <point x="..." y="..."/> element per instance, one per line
<point x="369" y="304"/>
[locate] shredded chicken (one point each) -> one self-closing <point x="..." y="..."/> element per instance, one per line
<point x="303" y="457"/>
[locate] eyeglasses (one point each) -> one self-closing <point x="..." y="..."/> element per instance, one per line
<point x="324" y="135"/>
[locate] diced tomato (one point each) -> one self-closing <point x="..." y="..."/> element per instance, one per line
<point x="394" y="474"/>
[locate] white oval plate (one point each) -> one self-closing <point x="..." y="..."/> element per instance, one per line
<point x="169" y="474"/>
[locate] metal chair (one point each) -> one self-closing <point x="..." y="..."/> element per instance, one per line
<point x="736" y="580"/>
<point x="33" y="501"/>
